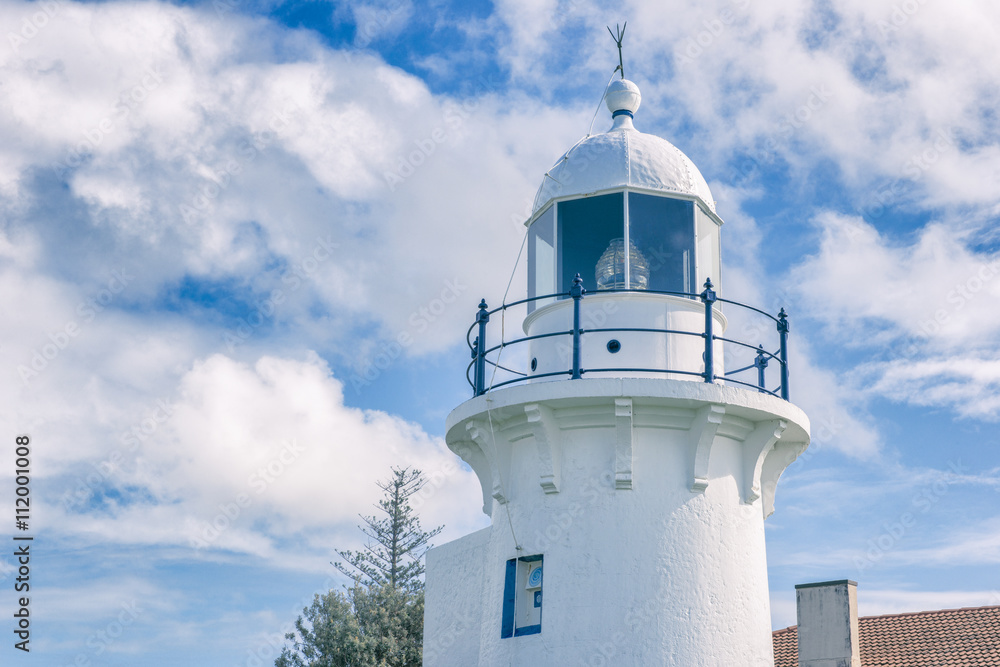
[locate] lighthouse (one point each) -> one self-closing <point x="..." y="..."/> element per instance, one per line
<point x="628" y="446"/>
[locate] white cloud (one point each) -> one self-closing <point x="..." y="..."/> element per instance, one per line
<point x="379" y="20"/>
<point x="883" y="601"/>
<point x="934" y="288"/>
<point x="808" y="84"/>
<point x="929" y="303"/>
<point x="248" y="457"/>
<point x="207" y="160"/>
<point x="976" y="544"/>
<point x="878" y="602"/>
<point x="969" y="386"/>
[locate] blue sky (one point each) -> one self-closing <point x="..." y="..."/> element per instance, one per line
<point x="222" y="201"/>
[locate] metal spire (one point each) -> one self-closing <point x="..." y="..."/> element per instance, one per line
<point x="618" y="40"/>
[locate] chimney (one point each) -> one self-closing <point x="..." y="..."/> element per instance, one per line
<point x="828" y="624"/>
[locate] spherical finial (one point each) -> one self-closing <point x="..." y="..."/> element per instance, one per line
<point x="624" y="96"/>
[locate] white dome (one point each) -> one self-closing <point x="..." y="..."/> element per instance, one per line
<point x="623" y="157"/>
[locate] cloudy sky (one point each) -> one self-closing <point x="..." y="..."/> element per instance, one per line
<point x="241" y="243"/>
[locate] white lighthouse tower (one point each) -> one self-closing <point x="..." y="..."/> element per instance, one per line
<point x="627" y="475"/>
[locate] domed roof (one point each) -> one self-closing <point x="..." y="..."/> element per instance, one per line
<point x="623" y="157"/>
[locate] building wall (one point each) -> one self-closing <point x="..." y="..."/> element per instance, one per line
<point x="452" y="601"/>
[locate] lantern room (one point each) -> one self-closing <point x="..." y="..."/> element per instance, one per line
<point x="626" y="211"/>
<point x="624" y="273"/>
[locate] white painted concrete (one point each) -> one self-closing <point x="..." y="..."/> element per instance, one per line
<point x="646" y="499"/>
<point x="681" y="352"/>
<point x="452" y="601"/>
<point x="828" y="624"/>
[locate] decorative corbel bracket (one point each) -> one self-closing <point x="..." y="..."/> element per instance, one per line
<point x="623" y="444"/>
<point x="780" y="457"/>
<point x="548" y="441"/>
<point x="757" y="445"/>
<point x="480" y="434"/>
<point x="702" y="435"/>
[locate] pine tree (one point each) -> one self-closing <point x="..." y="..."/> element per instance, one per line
<point x="394" y="553"/>
<point x="379" y="626"/>
<point x="379" y="621"/>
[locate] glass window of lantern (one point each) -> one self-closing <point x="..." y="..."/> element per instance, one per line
<point x="709" y="261"/>
<point x="542" y="258"/>
<point x="661" y="233"/>
<point x="586" y="229"/>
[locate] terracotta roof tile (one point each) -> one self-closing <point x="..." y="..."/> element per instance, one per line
<point x="968" y="637"/>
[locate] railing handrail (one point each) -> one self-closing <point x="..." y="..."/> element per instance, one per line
<point x="566" y="295"/>
<point x="708" y="297"/>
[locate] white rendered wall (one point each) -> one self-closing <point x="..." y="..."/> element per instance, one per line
<point x="638" y="349"/>
<point x="647" y="499"/>
<point x="452" y="601"/>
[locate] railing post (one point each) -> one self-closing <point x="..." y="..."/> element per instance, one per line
<point x="783" y="353"/>
<point x="761" y="363"/>
<point x="708" y="298"/>
<point x="482" y="317"/>
<point x="475" y="371"/>
<point x="576" y="291"/>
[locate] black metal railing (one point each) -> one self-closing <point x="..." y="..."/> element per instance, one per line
<point x="481" y="351"/>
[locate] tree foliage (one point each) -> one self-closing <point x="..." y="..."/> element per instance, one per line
<point x="379" y="621"/>
<point x="376" y="626"/>
<point x="393" y="555"/>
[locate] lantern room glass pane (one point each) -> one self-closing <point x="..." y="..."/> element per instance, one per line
<point x="709" y="261"/>
<point x="662" y="230"/>
<point x="542" y="258"/>
<point x="586" y="228"/>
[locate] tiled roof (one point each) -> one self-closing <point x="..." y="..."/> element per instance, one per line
<point x="967" y="637"/>
<point x="786" y="647"/>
